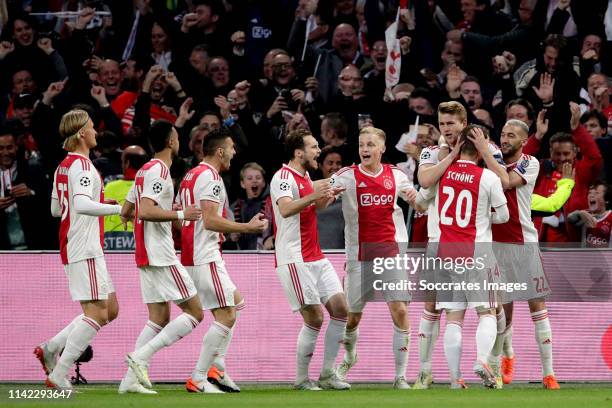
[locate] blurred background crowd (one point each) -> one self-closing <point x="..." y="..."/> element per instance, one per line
<point x="265" y="67"/>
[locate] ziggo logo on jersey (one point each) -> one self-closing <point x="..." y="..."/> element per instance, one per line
<point x="375" y="199"/>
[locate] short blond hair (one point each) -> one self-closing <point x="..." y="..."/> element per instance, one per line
<point x="72" y="122"/>
<point x="371" y="130"/>
<point x="453" y="108"/>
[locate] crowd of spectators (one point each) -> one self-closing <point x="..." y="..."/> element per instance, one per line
<point x="265" y="67"/>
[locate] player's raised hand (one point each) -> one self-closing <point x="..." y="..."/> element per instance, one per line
<point x="477" y="137"/>
<point x="575" y="119"/>
<point x="568" y="171"/>
<point x="192" y="213"/>
<point x="258" y="224"/>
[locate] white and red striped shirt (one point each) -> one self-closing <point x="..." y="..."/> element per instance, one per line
<point x="199" y="245"/>
<point x="519" y="228"/>
<point x="81" y="236"/>
<point x="369" y="205"/>
<point x="464" y="197"/>
<point x="296" y="237"/>
<point x="154" y="243"/>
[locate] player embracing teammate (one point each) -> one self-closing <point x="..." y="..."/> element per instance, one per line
<point x="307" y="277"/>
<point x="519" y="256"/>
<point x="463" y="200"/>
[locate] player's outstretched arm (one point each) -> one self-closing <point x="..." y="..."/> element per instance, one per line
<point x="148" y="210"/>
<point x="429" y="174"/>
<point x="86" y="206"/>
<point x="217" y="223"/>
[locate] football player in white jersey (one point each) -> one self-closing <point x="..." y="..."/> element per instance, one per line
<point x="308" y="278"/>
<point x="434" y="161"/>
<point x="464" y="197"/>
<point x="78" y="198"/>
<point x="519" y="256"/>
<point x="372" y="218"/>
<point x="201" y="255"/>
<point x="162" y="277"/>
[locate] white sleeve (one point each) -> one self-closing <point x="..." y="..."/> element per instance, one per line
<point x="81" y="179"/>
<point x="131" y="195"/>
<point x="339" y="179"/>
<point x="153" y="185"/>
<point x="428" y="193"/>
<point x="429" y="155"/>
<point x="280" y="188"/>
<point x="86" y="206"/>
<point x="501" y="215"/>
<point x="528" y="169"/>
<point x="498" y="198"/>
<point x="56" y="209"/>
<point x="403" y="183"/>
<point x="211" y="188"/>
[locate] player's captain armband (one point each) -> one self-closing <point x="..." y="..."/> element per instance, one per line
<point x="554" y="202"/>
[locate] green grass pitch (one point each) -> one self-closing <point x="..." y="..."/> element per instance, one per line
<point x="362" y="395"/>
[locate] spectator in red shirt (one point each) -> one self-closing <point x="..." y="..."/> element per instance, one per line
<point x="564" y="148"/>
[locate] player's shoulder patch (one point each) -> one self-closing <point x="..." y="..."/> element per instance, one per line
<point x="157" y="187"/>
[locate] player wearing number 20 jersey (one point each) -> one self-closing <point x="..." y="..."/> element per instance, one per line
<point x="465" y="197"/>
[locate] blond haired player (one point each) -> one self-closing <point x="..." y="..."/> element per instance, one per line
<point x="78" y="198"/>
<point x="373" y="219"/>
<point x="162" y="277"/>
